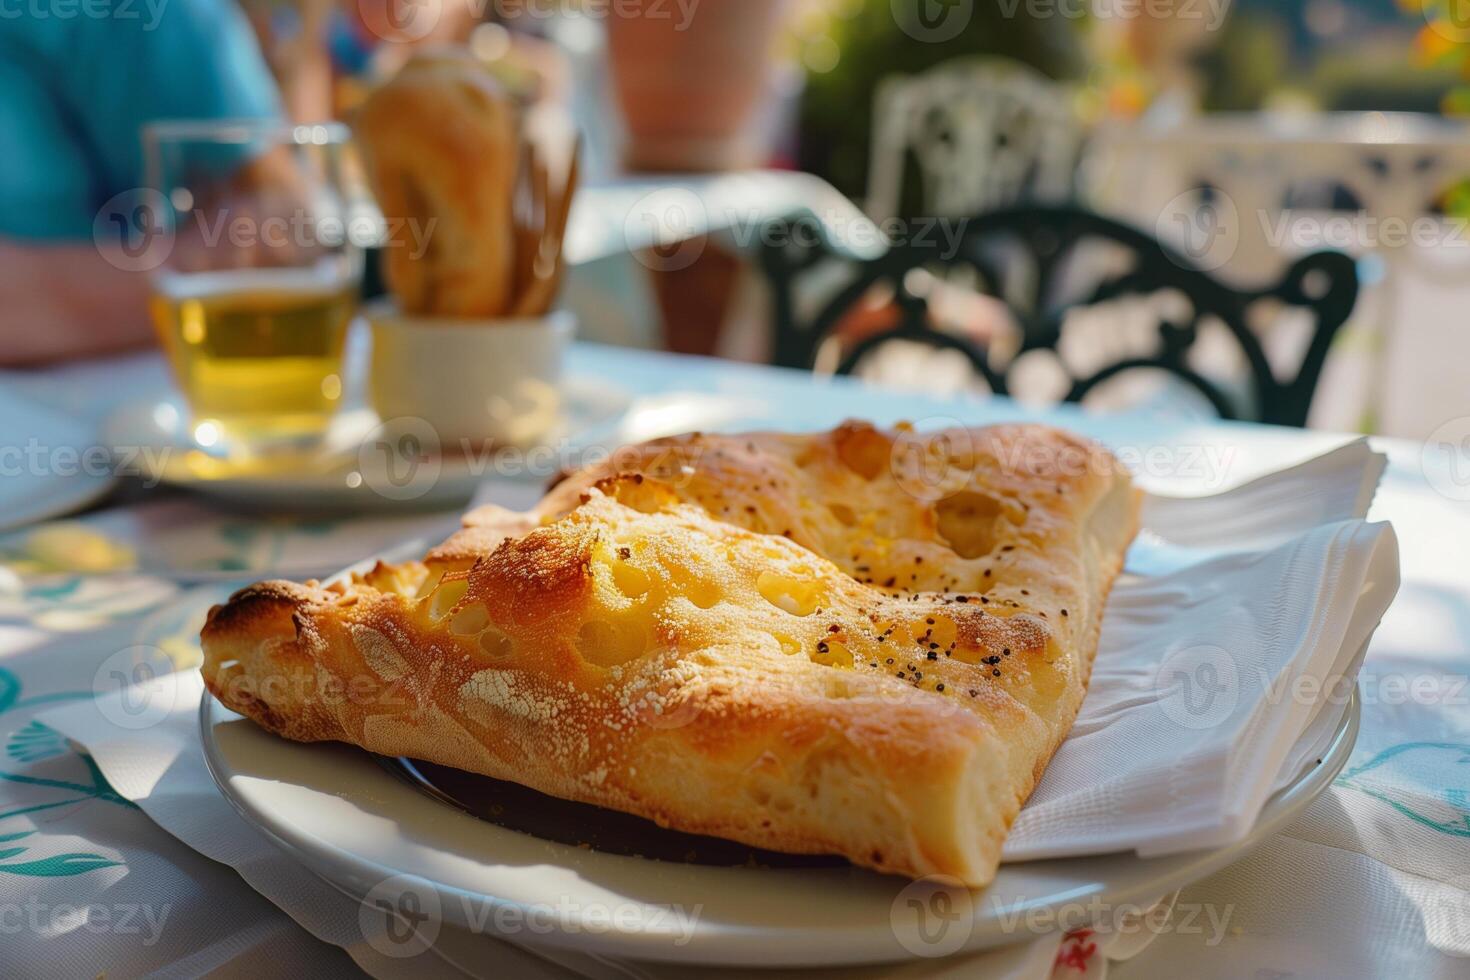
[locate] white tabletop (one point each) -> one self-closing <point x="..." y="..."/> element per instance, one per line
<point x="635" y="213"/>
<point x="1373" y="881"/>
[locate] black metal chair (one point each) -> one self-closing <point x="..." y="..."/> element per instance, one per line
<point x="1044" y="239"/>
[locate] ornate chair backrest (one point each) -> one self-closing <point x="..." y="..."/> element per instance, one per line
<point x="1026" y="258"/>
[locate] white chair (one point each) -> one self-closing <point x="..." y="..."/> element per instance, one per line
<point x="1397" y="368"/>
<point x="986" y="133"/>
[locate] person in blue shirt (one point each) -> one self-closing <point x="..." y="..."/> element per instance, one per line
<point x="78" y="80"/>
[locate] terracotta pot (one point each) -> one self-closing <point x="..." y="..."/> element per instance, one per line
<point x="689" y="78"/>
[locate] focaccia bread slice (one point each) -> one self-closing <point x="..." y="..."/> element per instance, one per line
<point x="770" y="640"/>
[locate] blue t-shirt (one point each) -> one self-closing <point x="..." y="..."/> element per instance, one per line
<point x="76" y="89"/>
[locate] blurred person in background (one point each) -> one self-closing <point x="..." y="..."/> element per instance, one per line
<point x="74" y="94"/>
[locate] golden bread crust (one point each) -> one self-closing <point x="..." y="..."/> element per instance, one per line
<point x="789" y="641"/>
<point x="441" y="142"/>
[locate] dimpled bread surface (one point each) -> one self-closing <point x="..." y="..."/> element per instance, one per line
<point x="860" y="642"/>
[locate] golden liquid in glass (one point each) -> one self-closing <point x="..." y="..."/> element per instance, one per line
<point x="258" y="355"/>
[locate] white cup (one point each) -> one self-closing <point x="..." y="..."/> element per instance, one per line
<point x="474" y="381"/>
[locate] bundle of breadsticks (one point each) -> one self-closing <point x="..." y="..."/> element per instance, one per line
<point x="475" y="220"/>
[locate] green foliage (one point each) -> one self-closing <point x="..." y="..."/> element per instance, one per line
<point x="1248" y="63"/>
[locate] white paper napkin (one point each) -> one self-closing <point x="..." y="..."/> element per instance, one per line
<point x="1205" y="682"/>
<point x="1262" y="512"/>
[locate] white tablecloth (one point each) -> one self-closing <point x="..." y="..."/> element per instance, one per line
<point x="1374" y="880"/>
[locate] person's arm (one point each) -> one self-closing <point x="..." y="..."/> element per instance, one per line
<point x="81" y="92"/>
<point x="67" y="301"/>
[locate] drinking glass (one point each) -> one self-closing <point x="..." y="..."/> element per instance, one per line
<point x="260" y="279"/>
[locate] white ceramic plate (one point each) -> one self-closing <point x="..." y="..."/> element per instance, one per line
<point x="342" y="474"/>
<point x="344" y="815"/>
<point x="50" y="465"/>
